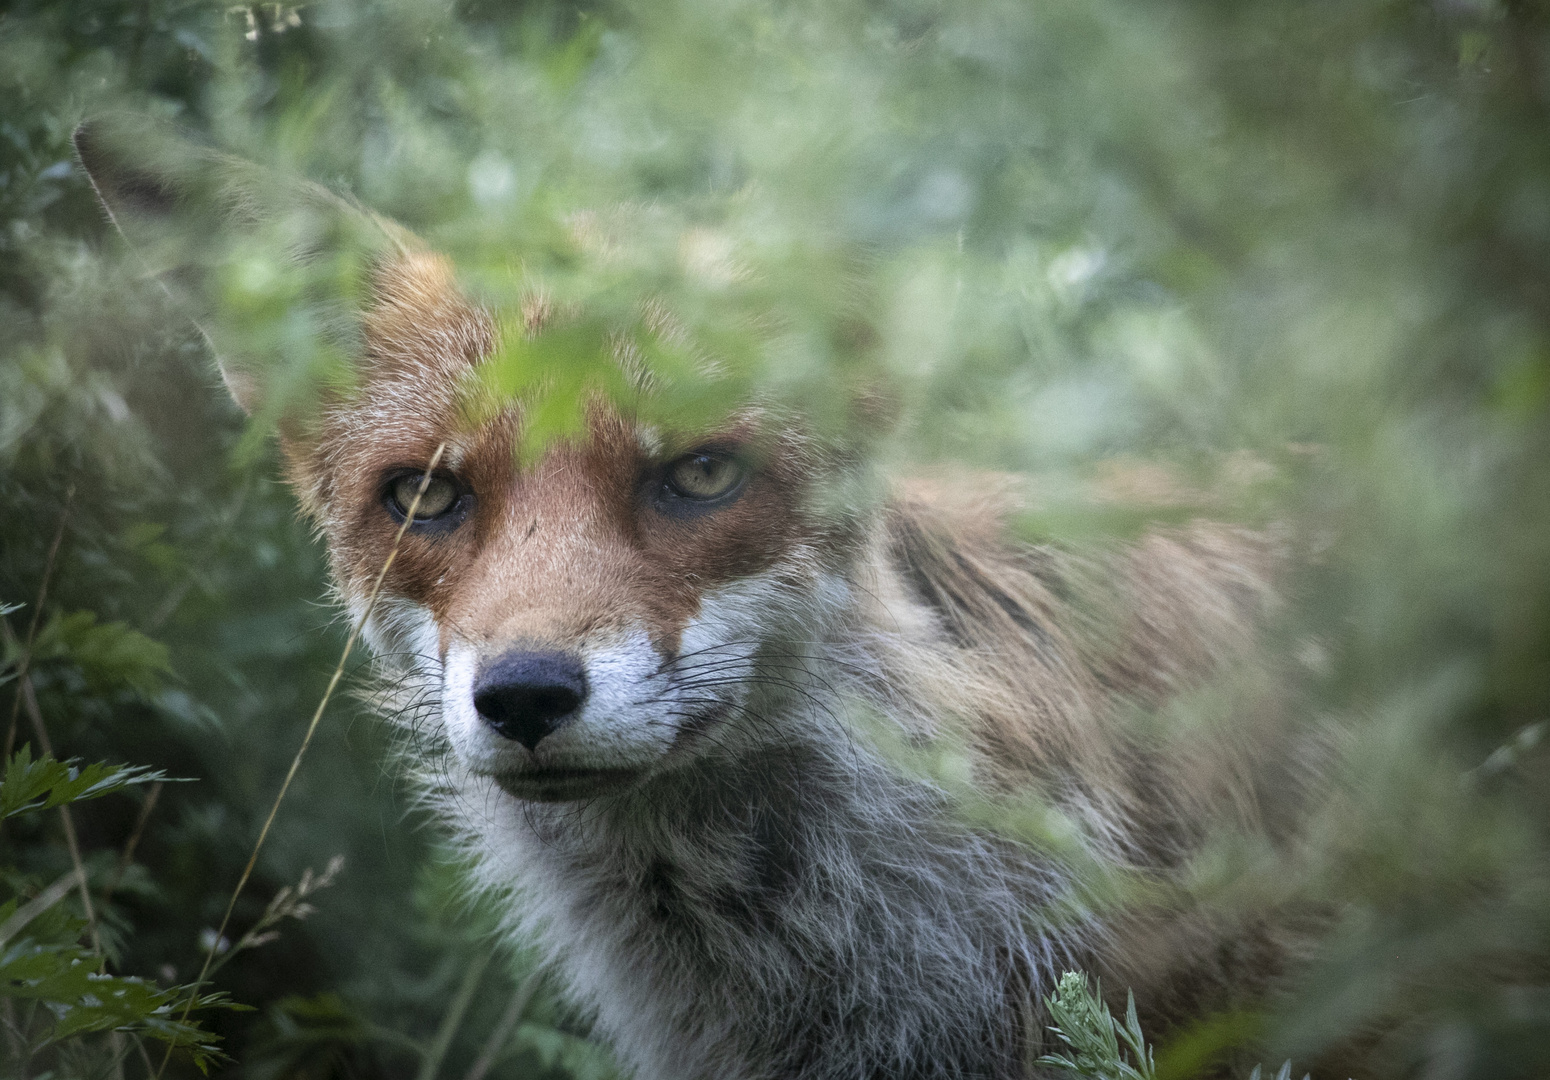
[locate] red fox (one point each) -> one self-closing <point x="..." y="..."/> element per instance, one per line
<point x="667" y="701"/>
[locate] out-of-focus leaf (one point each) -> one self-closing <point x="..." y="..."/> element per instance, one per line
<point x="110" y="654"/>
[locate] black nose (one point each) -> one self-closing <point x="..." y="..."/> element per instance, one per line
<point x="527" y="695"/>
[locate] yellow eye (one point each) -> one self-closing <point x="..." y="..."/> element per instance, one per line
<point x="440" y="495"/>
<point x="704" y="476"/>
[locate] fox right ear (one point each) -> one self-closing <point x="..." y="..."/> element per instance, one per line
<point x="203" y="222"/>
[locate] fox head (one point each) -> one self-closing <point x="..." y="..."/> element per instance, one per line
<point x="584" y="617"/>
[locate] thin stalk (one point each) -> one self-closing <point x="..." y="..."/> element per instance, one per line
<point x="501" y="1034"/>
<point x="118" y="1051"/>
<point x="145" y="1058"/>
<point x="29" y="698"/>
<point x="24" y="660"/>
<point x="430" y="1065"/>
<point x="38" y="905"/>
<point x="312" y="727"/>
<point x="128" y="856"/>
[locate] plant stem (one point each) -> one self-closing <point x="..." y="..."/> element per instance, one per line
<point x="29" y="697"/>
<point x="38" y="905"/>
<point x="306" y="741"/>
<point x="431" y="1063"/>
<point x="125" y="859"/>
<point x="501" y="1035"/>
<point x="24" y="659"/>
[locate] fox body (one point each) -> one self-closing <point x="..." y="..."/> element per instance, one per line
<point x="668" y="703"/>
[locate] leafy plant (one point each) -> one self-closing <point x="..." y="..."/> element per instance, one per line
<point x="110" y="655"/>
<point x="1080" y="1019"/>
<point x="1306" y="242"/>
<point x="54" y="985"/>
<point x="44" y="784"/>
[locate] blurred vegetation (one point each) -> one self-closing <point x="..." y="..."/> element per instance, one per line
<point x="1296" y="252"/>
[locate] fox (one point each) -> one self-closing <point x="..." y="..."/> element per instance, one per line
<point x="682" y="712"/>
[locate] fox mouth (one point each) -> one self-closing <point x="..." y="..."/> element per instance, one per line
<point x="563" y="785"/>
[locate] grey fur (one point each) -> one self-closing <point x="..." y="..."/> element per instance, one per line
<point x="791" y="902"/>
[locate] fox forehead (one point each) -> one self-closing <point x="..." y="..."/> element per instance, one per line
<point x="561" y="550"/>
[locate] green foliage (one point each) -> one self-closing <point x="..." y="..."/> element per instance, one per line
<point x="42" y="962"/>
<point x="108" y="654"/>
<point x="1080" y="1019"/>
<point x="78" y="999"/>
<point x="1273" y="264"/>
<point x="46" y="783"/>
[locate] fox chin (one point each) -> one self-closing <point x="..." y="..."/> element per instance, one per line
<point x="683" y="711"/>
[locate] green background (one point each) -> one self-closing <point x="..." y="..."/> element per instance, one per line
<point x="1297" y="252"/>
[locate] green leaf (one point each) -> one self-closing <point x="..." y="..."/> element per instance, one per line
<point x="46" y="783"/>
<point x="1080" y="1019"/>
<point x="110" y="655"/>
<point x="64" y="977"/>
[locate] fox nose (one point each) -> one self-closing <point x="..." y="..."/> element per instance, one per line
<point x="528" y="695"/>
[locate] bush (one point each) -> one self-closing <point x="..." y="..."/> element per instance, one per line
<point x="1299" y="255"/>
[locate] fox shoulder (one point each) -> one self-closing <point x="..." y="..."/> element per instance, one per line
<point x="1036" y="649"/>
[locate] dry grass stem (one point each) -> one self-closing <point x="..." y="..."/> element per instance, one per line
<point x="28" y="697"/>
<point x="501" y="1034"/>
<point x="312" y="727"/>
<point x="24" y="658"/>
<point x="128" y="856"/>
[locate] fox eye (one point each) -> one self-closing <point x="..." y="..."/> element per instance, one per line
<point x="704" y="476"/>
<point x="441" y="500"/>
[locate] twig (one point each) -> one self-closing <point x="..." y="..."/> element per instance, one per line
<point x="288" y="903"/>
<point x="144" y="1057"/>
<point x="306" y="741"/>
<point x="38" y="905"/>
<point x="501" y="1034"/>
<point x="30" y="698"/>
<point x="24" y="660"/>
<point x="24" y="691"/>
<point x="128" y="855"/>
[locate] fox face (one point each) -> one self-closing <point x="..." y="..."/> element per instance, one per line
<point x="584" y="618"/>
<point x="587" y="618"/>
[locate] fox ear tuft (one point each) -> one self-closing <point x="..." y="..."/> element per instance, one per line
<point x="188" y="212"/>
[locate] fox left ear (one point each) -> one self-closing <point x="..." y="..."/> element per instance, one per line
<point x="229" y="238"/>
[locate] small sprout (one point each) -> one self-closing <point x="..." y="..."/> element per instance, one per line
<point x="1092" y="1036"/>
